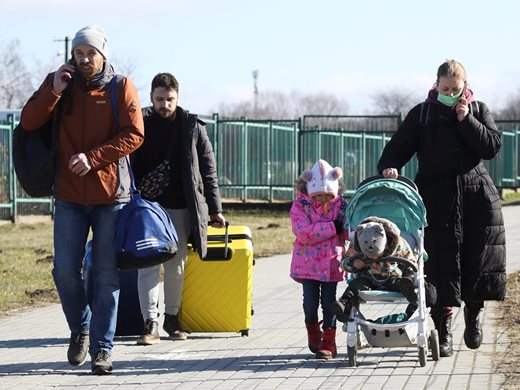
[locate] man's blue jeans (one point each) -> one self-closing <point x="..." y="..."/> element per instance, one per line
<point x="315" y="292"/>
<point x="72" y="223"/>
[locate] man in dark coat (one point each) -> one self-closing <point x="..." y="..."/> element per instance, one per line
<point x="177" y="142"/>
<point x="465" y="237"/>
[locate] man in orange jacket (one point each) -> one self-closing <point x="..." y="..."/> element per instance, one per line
<point x="91" y="185"/>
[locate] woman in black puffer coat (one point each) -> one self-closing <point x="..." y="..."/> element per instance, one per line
<point x="465" y="239"/>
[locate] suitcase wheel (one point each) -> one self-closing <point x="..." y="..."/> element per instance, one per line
<point x="244" y="333"/>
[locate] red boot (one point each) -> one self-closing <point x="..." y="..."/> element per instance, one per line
<point x="327" y="349"/>
<point x="314" y="336"/>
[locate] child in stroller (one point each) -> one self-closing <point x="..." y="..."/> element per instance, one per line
<point x="398" y="201"/>
<point x="369" y="258"/>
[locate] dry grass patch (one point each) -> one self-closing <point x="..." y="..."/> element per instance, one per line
<point x="26" y="257"/>
<point x="26" y="254"/>
<point x="271" y="230"/>
<point x="508" y="363"/>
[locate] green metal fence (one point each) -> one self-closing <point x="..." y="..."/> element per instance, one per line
<point x="258" y="161"/>
<point x="353" y="143"/>
<point x="505" y="167"/>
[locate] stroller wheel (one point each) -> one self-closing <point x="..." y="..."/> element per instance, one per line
<point x="422" y="356"/>
<point x="434" y="344"/>
<point x="352" y="356"/>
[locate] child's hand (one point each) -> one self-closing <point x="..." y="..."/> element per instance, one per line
<point x="359" y="264"/>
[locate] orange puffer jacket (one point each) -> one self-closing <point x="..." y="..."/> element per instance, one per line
<point x="87" y="126"/>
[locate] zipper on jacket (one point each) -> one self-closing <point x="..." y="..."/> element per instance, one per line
<point x="82" y="178"/>
<point x="190" y="169"/>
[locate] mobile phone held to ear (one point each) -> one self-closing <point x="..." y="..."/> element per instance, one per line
<point x="464" y="89"/>
<point x="68" y="76"/>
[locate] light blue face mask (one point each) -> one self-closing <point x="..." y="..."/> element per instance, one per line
<point x="449" y="101"/>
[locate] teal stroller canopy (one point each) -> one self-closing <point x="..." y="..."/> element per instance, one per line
<point x="392" y="199"/>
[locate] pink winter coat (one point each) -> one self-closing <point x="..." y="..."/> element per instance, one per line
<point x="318" y="249"/>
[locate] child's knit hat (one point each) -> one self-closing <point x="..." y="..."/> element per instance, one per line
<point x="322" y="179"/>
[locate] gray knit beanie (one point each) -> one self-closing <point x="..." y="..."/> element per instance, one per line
<point x="94" y="36"/>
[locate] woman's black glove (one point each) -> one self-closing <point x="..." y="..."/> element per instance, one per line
<point x="339" y="226"/>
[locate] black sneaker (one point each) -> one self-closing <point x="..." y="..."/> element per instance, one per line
<point x="150" y="333"/>
<point x="78" y="348"/>
<point x="102" y="363"/>
<point x="171" y="326"/>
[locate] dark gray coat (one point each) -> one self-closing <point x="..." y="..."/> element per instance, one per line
<point x="465" y="237"/>
<point x="199" y="169"/>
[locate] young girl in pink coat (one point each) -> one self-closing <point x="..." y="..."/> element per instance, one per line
<point x="318" y="216"/>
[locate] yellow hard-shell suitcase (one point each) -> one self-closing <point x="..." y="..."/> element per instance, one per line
<point x="217" y="294"/>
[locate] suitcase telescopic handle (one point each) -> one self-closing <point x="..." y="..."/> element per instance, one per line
<point x="226" y="237"/>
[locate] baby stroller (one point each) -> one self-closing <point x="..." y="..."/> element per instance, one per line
<point x="397" y="200"/>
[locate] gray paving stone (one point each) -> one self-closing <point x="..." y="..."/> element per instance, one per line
<point x="33" y="349"/>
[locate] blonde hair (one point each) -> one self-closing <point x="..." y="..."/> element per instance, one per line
<point x="451" y="68"/>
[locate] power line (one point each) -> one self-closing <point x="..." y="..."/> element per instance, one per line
<point x="66" y="40"/>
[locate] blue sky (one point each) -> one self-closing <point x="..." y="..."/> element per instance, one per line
<point x="352" y="49"/>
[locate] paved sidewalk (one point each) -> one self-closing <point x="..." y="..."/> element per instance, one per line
<point x="33" y="348"/>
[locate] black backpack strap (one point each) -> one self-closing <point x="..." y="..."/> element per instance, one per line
<point x="424" y="115"/>
<point x="113" y="86"/>
<point x="474" y="109"/>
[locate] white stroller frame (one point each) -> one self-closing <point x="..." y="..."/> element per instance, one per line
<point x="412" y="332"/>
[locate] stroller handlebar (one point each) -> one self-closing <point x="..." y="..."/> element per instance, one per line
<point x="400" y="178"/>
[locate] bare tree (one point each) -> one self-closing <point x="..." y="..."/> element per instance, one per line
<point x="273" y="104"/>
<point x="278" y="105"/>
<point x="15" y="81"/>
<point x="269" y="105"/>
<point x="511" y="111"/>
<point x="394" y="101"/>
<point x="320" y="103"/>
<point x="125" y="66"/>
<point x="40" y="69"/>
<point x="128" y="66"/>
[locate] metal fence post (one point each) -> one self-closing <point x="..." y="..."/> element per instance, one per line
<point x="245" y="174"/>
<point x="12" y="176"/>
